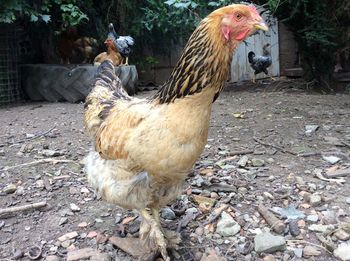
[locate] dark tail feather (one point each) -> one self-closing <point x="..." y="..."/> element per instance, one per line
<point x="105" y="75"/>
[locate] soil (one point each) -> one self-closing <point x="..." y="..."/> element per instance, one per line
<point x="267" y="121"/>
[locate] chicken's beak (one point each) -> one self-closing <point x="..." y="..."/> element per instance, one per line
<point x="261" y="26"/>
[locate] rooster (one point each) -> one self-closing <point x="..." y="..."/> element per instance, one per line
<point x="145" y="148"/>
<point x="123" y="43"/>
<point x="260" y="63"/>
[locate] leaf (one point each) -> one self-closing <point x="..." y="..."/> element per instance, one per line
<point x="46" y="18"/>
<point x="170" y="2"/>
<point x="33" y="18"/>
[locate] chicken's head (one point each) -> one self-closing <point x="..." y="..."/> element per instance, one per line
<point x="238" y="21"/>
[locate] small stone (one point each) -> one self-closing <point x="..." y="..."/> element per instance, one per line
<point x="62" y="221"/>
<point x="342" y="235"/>
<point x="258" y="162"/>
<point x="301" y="223"/>
<point x="167" y="213"/>
<point x="298" y="252"/>
<point x="52" y="258"/>
<point x="268" y="195"/>
<point x="84" y="190"/>
<point x="348" y="200"/>
<point x="311" y="251"/>
<point x="309" y="129"/>
<point x="331" y="159"/>
<point x="66" y="244"/>
<point x="268" y="243"/>
<point x="315" y="200"/>
<point x="68" y="236"/>
<point x="227" y="226"/>
<point x="199" y="231"/>
<point x="20" y="190"/>
<point x="10" y="188"/>
<point x="293" y="228"/>
<point x="242" y="190"/>
<point x="269" y="258"/>
<point x="98" y="220"/>
<point x="342" y="252"/>
<point x="74" y="207"/>
<point x="198" y="256"/>
<point x="52" y="153"/>
<point x="243" y="161"/>
<point x="321" y="228"/>
<point x="270" y="160"/>
<point x="91" y="234"/>
<point x="329" y="217"/>
<point x="82" y="224"/>
<point x="312" y="218"/>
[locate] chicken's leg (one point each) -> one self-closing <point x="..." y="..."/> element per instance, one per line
<point x="126" y="60"/>
<point x="254" y="81"/>
<point x="155" y="234"/>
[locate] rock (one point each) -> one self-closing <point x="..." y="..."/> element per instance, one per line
<point x="268" y="243"/>
<point x="331" y="159"/>
<point x="68" y="236"/>
<point x="199" y="231"/>
<point x="62" y="221"/>
<point x="348" y="200"/>
<point x="315" y="200"/>
<point x="311" y="251"/>
<point x="87" y="253"/>
<point x="227" y="226"/>
<point x="258" y="162"/>
<point x="66" y="244"/>
<point x="329" y="217"/>
<point x="10" y="188"/>
<point x="309" y="129"/>
<point x="321" y="228"/>
<point x="213" y="256"/>
<point x="293" y="228"/>
<point x="243" y="161"/>
<point x="52" y="258"/>
<point x="20" y="190"/>
<point x="52" y="153"/>
<point x="198" y="256"/>
<point x="82" y="224"/>
<point x="270" y="160"/>
<point x="167" y="213"/>
<point x="342" y="252"/>
<point x="268" y="195"/>
<point x="84" y="190"/>
<point x="91" y="234"/>
<point x="204" y="203"/>
<point x="298" y="252"/>
<point x="269" y="258"/>
<point x="312" y="218"/>
<point x="74" y="207"/>
<point x="342" y="235"/>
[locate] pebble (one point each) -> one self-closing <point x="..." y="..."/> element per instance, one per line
<point x="20" y="190"/>
<point x="311" y="251"/>
<point x="268" y="243"/>
<point x="199" y="231"/>
<point x="198" y="256"/>
<point x="74" y="207"/>
<point x="342" y="235"/>
<point x="329" y="217"/>
<point x="269" y="258"/>
<point x="301" y="223"/>
<point x="342" y="252"/>
<point x="10" y="188"/>
<point x="270" y="160"/>
<point x="167" y="213"/>
<point x="298" y="252"/>
<point x="82" y="224"/>
<point x="293" y="228"/>
<point x="63" y="221"/>
<point x="315" y="200"/>
<point x="309" y="129"/>
<point x="242" y="190"/>
<point x="331" y="159"/>
<point x="268" y="195"/>
<point x="68" y="236"/>
<point x="66" y="244"/>
<point x="243" y="161"/>
<point x="52" y="258"/>
<point x="227" y="226"/>
<point x="312" y="218"/>
<point x="348" y="200"/>
<point x="258" y="162"/>
<point x="321" y="228"/>
<point x="52" y="153"/>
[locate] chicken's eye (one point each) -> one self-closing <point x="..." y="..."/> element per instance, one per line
<point x="238" y="16"/>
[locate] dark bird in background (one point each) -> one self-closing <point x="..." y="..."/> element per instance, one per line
<point x="123" y="43"/>
<point x="262" y="62"/>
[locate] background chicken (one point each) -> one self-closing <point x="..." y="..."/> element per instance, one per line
<point x="144" y="148"/>
<point x="111" y="54"/>
<point x="123" y="43"/>
<point x="86" y="47"/>
<point x="260" y="63"/>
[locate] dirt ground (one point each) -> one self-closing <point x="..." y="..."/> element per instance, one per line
<point x="259" y="122"/>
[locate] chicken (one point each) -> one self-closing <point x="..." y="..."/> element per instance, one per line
<point x="86" y="46"/>
<point x="260" y="63"/>
<point x="111" y="54"/>
<point x="65" y="46"/>
<point x="145" y="148"/>
<point x="123" y="43"/>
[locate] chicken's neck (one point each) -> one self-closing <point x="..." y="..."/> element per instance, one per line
<point x="204" y="63"/>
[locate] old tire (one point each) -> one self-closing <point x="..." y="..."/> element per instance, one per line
<point x="128" y="75"/>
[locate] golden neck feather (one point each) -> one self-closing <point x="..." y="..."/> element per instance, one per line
<point x="204" y="63"/>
